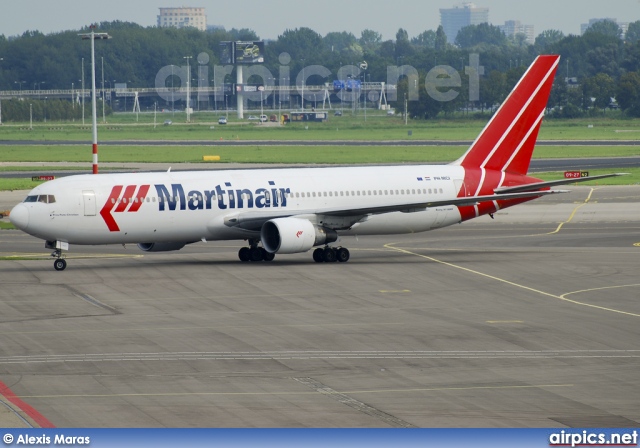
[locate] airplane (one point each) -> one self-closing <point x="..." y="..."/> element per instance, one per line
<point x="293" y="210"/>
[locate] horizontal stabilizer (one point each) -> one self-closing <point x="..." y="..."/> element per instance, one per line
<point x="553" y="183"/>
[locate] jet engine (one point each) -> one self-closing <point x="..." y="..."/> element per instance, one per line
<point x="160" y="247"/>
<point x="293" y="235"/>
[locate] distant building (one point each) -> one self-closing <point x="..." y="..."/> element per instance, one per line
<point x="456" y="18"/>
<point x="624" y="26"/>
<point x="513" y="27"/>
<point x="183" y="17"/>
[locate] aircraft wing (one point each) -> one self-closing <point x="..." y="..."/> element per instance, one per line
<point x="552" y="183"/>
<point x="421" y="206"/>
<point x="255" y="220"/>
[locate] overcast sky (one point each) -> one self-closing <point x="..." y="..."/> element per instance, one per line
<point x="269" y="18"/>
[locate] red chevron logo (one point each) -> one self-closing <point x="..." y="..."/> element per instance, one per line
<point x="127" y="202"/>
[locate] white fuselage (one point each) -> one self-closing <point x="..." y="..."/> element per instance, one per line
<point x="199" y="205"/>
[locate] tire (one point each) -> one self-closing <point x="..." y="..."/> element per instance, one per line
<point x="256" y="254"/>
<point x="343" y="254"/>
<point x="60" y="264"/>
<point x="318" y="255"/>
<point x="329" y="255"/>
<point x="244" y="254"/>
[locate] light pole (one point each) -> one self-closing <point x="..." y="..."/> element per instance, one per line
<point x="45" y="109"/>
<point x="93" y="36"/>
<point x="30" y="116"/>
<point x="103" y="117"/>
<point x="20" y="86"/>
<point x="302" y="97"/>
<point x="188" y="83"/>
<point x="82" y="94"/>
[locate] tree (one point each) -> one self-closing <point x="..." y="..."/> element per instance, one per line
<point x="628" y="93"/>
<point x="300" y="43"/>
<point x="402" y="35"/>
<point x="425" y="39"/>
<point x="473" y="35"/>
<point x="602" y="87"/>
<point x="606" y="27"/>
<point x="245" y="34"/>
<point x="370" y="40"/>
<point x="546" y="39"/>
<point x="441" y="39"/>
<point x="493" y="89"/>
<point x="403" y="46"/>
<point x="633" y="32"/>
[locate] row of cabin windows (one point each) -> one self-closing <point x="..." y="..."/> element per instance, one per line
<point x="305" y="194"/>
<point x="367" y="193"/>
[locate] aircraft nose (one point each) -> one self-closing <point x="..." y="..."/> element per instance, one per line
<point x="19" y="216"/>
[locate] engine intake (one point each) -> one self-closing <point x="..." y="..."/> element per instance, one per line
<point x="294" y="235"/>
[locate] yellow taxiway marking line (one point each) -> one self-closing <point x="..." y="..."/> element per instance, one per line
<point x="636" y="244"/>
<point x="346" y="392"/>
<point x="517" y="285"/>
<point x="586" y="201"/>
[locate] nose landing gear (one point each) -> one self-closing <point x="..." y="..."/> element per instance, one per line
<point x="60" y="264"/>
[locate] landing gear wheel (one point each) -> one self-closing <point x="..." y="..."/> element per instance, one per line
<point x="268" y="256"/>
<point x="60" y="264"/>
<point x="329" y="255"/>
<point x="244" y="254"/>
<point x="318" y="255"/>
<point x="342" y="254"/>
<point x="257" y="253"/>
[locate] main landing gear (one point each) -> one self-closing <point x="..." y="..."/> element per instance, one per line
<point x="254" y="253"/>
<point x="331" y="254"/>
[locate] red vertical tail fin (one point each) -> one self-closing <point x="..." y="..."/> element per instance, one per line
<point x="506" y="143"/>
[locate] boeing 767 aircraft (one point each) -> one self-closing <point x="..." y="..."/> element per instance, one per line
<point x="287" y="211"/>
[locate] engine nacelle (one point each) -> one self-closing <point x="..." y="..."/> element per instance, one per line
<point x="160" y="247"/>
<point x="293" y="235"/>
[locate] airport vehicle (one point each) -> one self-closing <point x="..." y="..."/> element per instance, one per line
<point x="222" y="120"/>
<point x="286" y="211"/>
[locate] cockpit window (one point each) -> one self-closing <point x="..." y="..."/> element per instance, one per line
<point x="44" y="198"/>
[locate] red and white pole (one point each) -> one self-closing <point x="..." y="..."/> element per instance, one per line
<point x="94" y="115"/>
<point x="93" y="36"/>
